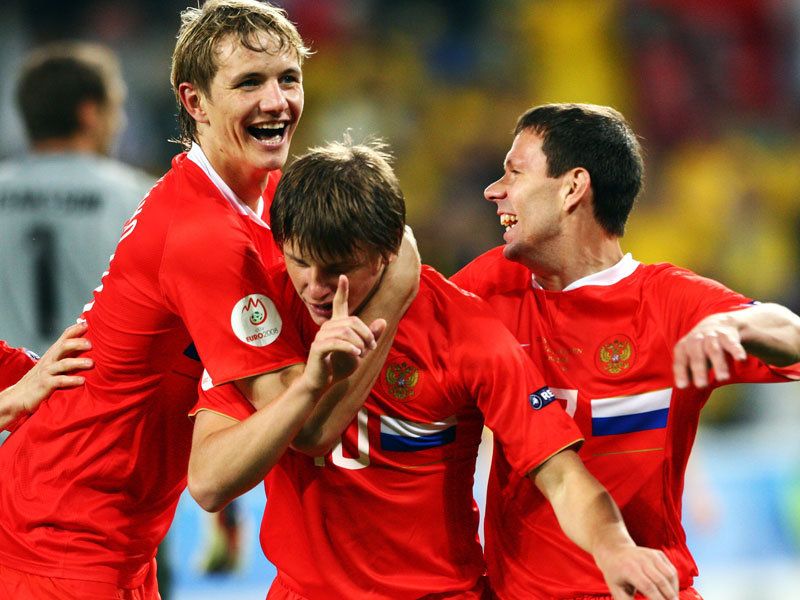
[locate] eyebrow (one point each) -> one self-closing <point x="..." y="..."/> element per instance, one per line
<point x="292" y="71"/>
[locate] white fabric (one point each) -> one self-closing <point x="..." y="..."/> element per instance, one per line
<point x="61" y="216"/>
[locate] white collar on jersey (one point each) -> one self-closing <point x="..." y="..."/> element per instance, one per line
<point x="625" y="267"/>
<point x="198" y="157"/>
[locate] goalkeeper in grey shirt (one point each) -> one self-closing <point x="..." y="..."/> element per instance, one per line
<point x="62" y="206"/>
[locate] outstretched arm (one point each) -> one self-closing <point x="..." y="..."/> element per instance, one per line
<point x="53" y="371"/>
<point x="769" y="332"/>
<point x="590" y="518"/>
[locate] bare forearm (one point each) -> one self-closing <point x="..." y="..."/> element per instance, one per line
<point x="229" y="461"/>
<point x="770" y="332"/>
<point x="590" y="518"/>
<point x="586" y="512"/>
<point x="11" y="406"/>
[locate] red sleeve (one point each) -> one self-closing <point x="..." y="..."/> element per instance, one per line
<point x="492" y="274"/>
<point x="213" y="276"/>
<point x="225" y="400"/>
<point x="474" y="276"/>
<point x="686" y="298"/>
<point x="511" y="393"/>
<point x="14" y="363"/>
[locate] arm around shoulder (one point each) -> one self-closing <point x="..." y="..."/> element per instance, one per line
<point x="230" y="456"/>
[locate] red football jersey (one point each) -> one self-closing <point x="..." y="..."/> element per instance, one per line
<point x="92" y="478"/>
<point x="389" y="512"/>
<point x="14" y="363"/>
<point x="605" y="345"/>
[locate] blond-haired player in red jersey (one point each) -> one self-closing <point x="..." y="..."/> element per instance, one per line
<point x="91" y="480"/>
<point x="624" y="345"/>
<point x="381" y="505"/>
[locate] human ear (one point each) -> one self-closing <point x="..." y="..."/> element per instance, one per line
<point x="193" y="101"/>
<point x="577" y="185"/>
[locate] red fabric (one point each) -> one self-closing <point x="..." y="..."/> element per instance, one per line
<point x="15" y="585"/>
<point x="568" y="335"/>
<point x="279" y="591"/>
<point x="369" y="517"/>
<point x="95" y="474"/>
<point x="14" y="363"/>
<point x="684" y="594"/>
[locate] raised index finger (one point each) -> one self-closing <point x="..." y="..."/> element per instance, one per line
<point x="340" y="309"/>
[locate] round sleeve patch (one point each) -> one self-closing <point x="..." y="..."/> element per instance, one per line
<point x="255" y="320"/>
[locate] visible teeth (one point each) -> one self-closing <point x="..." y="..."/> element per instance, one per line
<point x="268" y="132"/>
<point x="508" y="221"/>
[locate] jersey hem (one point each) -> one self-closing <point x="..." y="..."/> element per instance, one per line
<point x="260" y="371"/>
<point x="98" y="573"/>
<point x="578" y="441"/>
<point x="194" y="412"/>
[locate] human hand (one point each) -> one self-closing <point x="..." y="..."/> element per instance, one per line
<point x="707" y="345"/>
<point x="630" y="569"/>
<point x="341" y="342"/>
<point x="54" y="369"/>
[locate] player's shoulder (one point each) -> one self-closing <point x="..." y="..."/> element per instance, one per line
<point x="454" y="308"/>
<point x="122" y="177"/>
<point x="442" y="291"/>
<point x="667" y="278"/>
<point x="491" y="273"/>
<point x="191" y="199"/>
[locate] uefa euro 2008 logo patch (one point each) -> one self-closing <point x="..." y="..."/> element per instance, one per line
<point x="255" y="320"/>
<point x="541" y="398"/>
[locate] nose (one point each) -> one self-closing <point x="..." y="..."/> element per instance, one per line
<point x="495" y="191"/>
<point x="273" y="99"/>
<point x="319" y="286"/>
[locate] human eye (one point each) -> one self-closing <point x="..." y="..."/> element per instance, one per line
<point x="248" y="81"/>
<point x="290" y="78"/>
<point x="297" y="261"/>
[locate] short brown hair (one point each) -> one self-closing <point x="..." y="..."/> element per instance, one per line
<point x="598" y="139"/>
<point x="339" y="200"/>
<point x="56" y="79"/>
<point x="194" y="59"/>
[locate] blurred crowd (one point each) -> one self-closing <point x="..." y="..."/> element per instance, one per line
<point x="712" y="86"/>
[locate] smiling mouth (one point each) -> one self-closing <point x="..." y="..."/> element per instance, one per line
<point x="269" y="133"/>
<point x="508" y="221"/>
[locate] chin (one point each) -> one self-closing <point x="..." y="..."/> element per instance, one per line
<point x="276" y="160"/>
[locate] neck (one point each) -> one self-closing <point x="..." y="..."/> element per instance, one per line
<point x="575" y="259"/>
<point x="247" y="184"/>
<point x="248" y="190"/>
<point x="371" y="293"/>
<point x="74" y="143"/>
